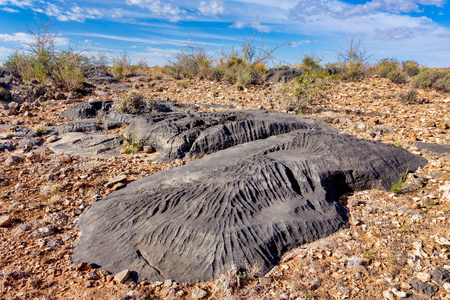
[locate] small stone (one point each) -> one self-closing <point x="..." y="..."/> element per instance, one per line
<point x="92" y="276"/>
<point x="168" y="282"/>
<point x="352" y="202"/>
<point x="423" y="287"/>
<point x="198" y="293"/>
<point x="41" y="242"/>
<point x="425" y="277"/>
<point x="148" y="149"/>
<point x="446" y="287"/>
<point x="52" y="138"/>
<point x="5" y="221"/>
<point x="398" y="293"/>
<point x="42" y="232"/>
<point x="109" y="278"/>
<point x="133" y="294"/>
<point x="388" y="295"/>
<point x="405" y="286"/>
<point x="284" y="296"/>
<point x="122" y="276"/>
<point x="113" y="181"/>
<point x="13" y="159"/>
<point x="265" y="280"/>
<point x="89" y="284"/>
<point x="440" y="276"/>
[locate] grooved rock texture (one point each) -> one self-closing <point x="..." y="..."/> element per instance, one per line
<point x="86" y="110"/>
<point x="246" y="204"/>
<point x="182" y="135"/>
<point x="88" y="145"/>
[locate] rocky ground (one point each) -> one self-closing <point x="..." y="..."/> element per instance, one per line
<point x="397" y="246"/>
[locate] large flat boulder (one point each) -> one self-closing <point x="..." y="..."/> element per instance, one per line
<point x="183" y="135"/>
<point x="247" y="204"/>
<point x="87" y="110"/>
<point x="88" y="145"/>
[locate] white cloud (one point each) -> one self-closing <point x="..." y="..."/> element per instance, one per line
<point x="255" y="25"/>
<point x="26" y="38"/>
<point x="18" y="3"/>
<point x="160" y="8"/>
<point x="211" y="8"/>
<point x="75" y="13"/>
<point x="298" y="43"/>
<point x="10" y="10"/>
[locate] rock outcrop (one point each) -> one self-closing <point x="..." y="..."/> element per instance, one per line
<point x="248" y="204"/>
<point x="183" y="135"/>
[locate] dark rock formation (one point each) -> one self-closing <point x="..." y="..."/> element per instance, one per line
<point x="283" y="75"/>
<point x="182" y="135"/>
<point x="86" y="125"/>
<point x="88" y="145"/>
<point x="87" y="110"/>
<point x="97" y="74"/>
<point x="436" y="148"/>
<point x="247" y="204"/>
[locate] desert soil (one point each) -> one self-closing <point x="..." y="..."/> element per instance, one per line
<point x="393" y="241"/>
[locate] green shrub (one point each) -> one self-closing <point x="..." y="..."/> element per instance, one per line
<point x="39" y="130"/>
<point x="409" y="97"/>
<point x="307" y="88"/>
<point x="67" y="70"/>
<point x="184" y="83"/>
<point x="310" y="62"/>
<point x="410" y="68"/>
<point x="398" y="185"/>
<point x="191" y="61"/>
<point x="432" y="79"/>
<point x="353" y="71"/>
<point x="134" y="103"/>
<point x="389" y="68"/>
<point x="4" y="94"/>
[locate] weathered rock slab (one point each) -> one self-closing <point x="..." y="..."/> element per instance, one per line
<point x="88" y="145"/>
<point x="183" y="135"/>
<point x="87" y="110"/>
<point x="248" y="204"/>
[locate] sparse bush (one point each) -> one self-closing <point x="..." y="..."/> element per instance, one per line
<point x="4" y="94"/>
<point x="390" y="68"/>
<point x="184" y="83"/>
<point x="132" y="146"/>
<point x="409" y="97"/>
<point x="398" y="185"/>
<point x="352" y="61"/>
<point x="432" y="79"/>
<point x="134" y="103"/>
<point x="122" y="66"/>
<point x="67" y="70"/>
<point x="44" y="63"/>
<point x="310" y="62"/>
<point x="39" y="130"/>
<point x="100" y="60"/>
<point x="410" y="68"/>
<point x="191" y="61"/>
<point x="309" y="87"/>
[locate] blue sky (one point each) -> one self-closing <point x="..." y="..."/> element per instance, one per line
<point x="154" y="29"/>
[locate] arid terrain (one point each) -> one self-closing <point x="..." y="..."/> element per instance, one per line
<point x="396" y="246"/>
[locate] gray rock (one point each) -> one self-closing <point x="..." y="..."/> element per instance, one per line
<point x="13" y="159"/>
<point x="423" y="287"/>
<point x="42" y="232"/>
<point x="24" y="133"/>
<point x="111" y="182"/>
<point x="88" y="145"/>
<point x="283" y="75"/>
<point x="440" y="276"/>
<point x="122" y="276"/>
<point x="168" y="282"/>
<point x="87" y="110"/>
<point x="27" y="144"/>
<point x="7" y="145"/>
<point x="86" y="125"/>
<point x="97" y="74"/>
<point x="247" y="204"/>
<point x="198" y="293"/>
<point x="180" y="135"/>
<point x="8" y="72"/>
<point x="114" y="120"/>
<point x="5" y="220"/>
<point x="436" y="148"/>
